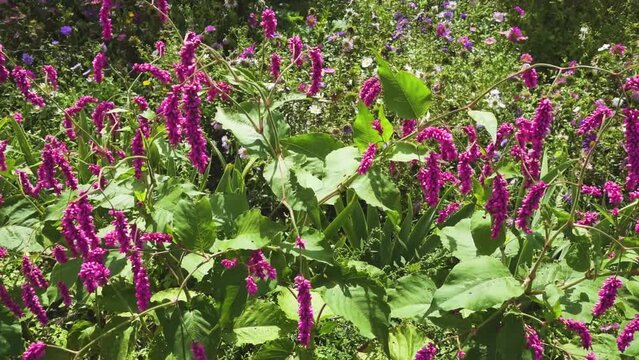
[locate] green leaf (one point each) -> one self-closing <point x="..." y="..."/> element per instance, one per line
<point x="477" y="284"/>
<point x="280" y="175"/>
<point x="316" y="248"/>
<point x="11" y="344"/>
<point x="227" y="208"/>
<point x="510" y="339"/>
<point x="170" y="294"/>
<point x="185" y="327"/>
<point x="276" y="349"/>
<point x="405" y="341"/>
<point x="364" y="306"/>
<point x="377" y="190"/>
<point x="487" y="120"/>
<point x="261" y="322"/>
<point x="254" y="231"/>
<point x="340" y="165"/>
<point x="579" y="300"/>
<point x="118" y="344"/>
<point x="412" y="296"/>
<point x="406" y="152"/>
<point x="288" y="304"/>
<point x="193" y="224"/>
<point x="19" y="221"/>
<point x="316" y="145"/>
<point x="458" y="239"/>
<point x="480" y="228"/>
<point x="404" y="94"/>
<point x="363" y="132"/>
<point x="67" y="272"/>
<point x="196" y="264"/>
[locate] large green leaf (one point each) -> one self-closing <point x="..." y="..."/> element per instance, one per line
<point x="182" y="329"/>
<point x="19" y="221"/>
<point x="480" y="228"/>
<point x="288" y="303"/>
<point x="254" y="231"/>
<point x="11" y="344"/>
<point x="510" y="339"/>
<point x="487" y="120"/>
<point x="364" y="306"/>
<point x="261" y="322"/>
<point x="411" y="297"/>
<point x="363" y="132"/>
<point x="197" y="265"/>
<point x="119" y="344"/>
<point x="316" y="248"/>
<point x="193" y="224"/>
<point x="340" y="165"/>
<point x="275" y="350"/>
<point x="280" y="174"/>
<point x="405" y="152"/>
<point x="227" y="208"/>
<point x="377" y="190"/>
<point x="458" y="239"/>
<point x="404" y="94"/>
<point x="405" y="341"/>
<point x="315" y="145"/>
<point x="477" y="284"/>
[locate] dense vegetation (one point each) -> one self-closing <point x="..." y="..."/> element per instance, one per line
<point x="362" y="179"/>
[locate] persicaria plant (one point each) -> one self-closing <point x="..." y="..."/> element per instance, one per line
<point x="119" y="229"/>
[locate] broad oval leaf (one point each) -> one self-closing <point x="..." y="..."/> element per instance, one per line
<point x="404" y="94"/>
<point x="477" y="284"/>
<point x="487" y="120"/>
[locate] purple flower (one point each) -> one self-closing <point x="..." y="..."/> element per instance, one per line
<point x="514" y="35"/>
<point x="591" y="356"/>
<point x="430" y="180"/>
<point x="499" y="16"/>
<point x="607" y="295"/>
<point x="534" y="342"/>
<point x="530" y="78"/>
<point x="105" y="20"/>
<point x="445" y="213"/>
<point x="300" y="243"/>
<point x="209" y="29"/>
<point x="51" y="76"/>
<point x="199" y="353"/>
<point x="3" y="160"/>
<point x="169" y="109"/>
<point x="121" y="230"/>
<point x="33" y="274"/>
<point x="466" y="43"/>
<point x="66" y="30"/>
<point x="163" y="8"/>
<point x="99" y="63"/>
<point x="192" y="130"/>
<point x="276" y="61"/>
<point x="269" y="23"/>
<point x="295" y="46"/>
<point x="617" y="49"/>
<point x="519" y="11"/>
<point x="443" y="32"/>
<point x="529" y="205"/>
<point x="628" y="334"/>
<point x="22" y="79"/>
<point x="588" y="218"/>
<point x="27" y="58"/>
<point x="465" y="172"/>
<point x="631" y="123"/>
<point x="228" y="263"/>
<point x="157" y="238"/>
<point x="3" y="252"/>
<point x="187" y="64"/>
<point x="581" y="330"/>
<point x="162" y="75"/>
<point x="408" y="127"/>
<point x="367" y="159"/>
<point x="9" y="303"/>
<point x="497" y="204"/>
<point x="69" y="112"/>
<point x="35" y="351"/>
<point x="370" y="90"/>
<point x="593" y="121"/>
<point x="377" y="126"/>
<point x="60" y="254"/>
<point x="251" y="286"/>
<point x="316" y="71"/>
<point x="443" y="137"/>
<point x="63" y="290"/>
<point x="32" y="302"/>
<point x="613" y="191"/>
<point x="99" y="113"/>
<point x="428" y="352"/>
<point x="93" y="275"/>
<point x="258" y="266"/>
<point x="305" y="310"/>
<point x="160" y="47"/>
<point x="140" y="276"/>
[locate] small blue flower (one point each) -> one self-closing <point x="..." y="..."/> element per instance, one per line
<point x="27" y="58"/>
<point x="66" y="30"/>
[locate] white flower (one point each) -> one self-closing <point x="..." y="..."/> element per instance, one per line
<point x="367" y="61"/>
<point x="617" y="102"/>
<point x="438" y="68"/>
<point x="494" y="99"/>
<point x="408" y="68"/>
<point x="576" y="109"/>
<point x="315" y="109"/>
<point x="604" y="47"/>
<point x="583" y="32"/>
<point x="452" y="5"/>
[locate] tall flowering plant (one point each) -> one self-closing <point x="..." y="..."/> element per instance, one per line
<point x="134" y="220"/>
